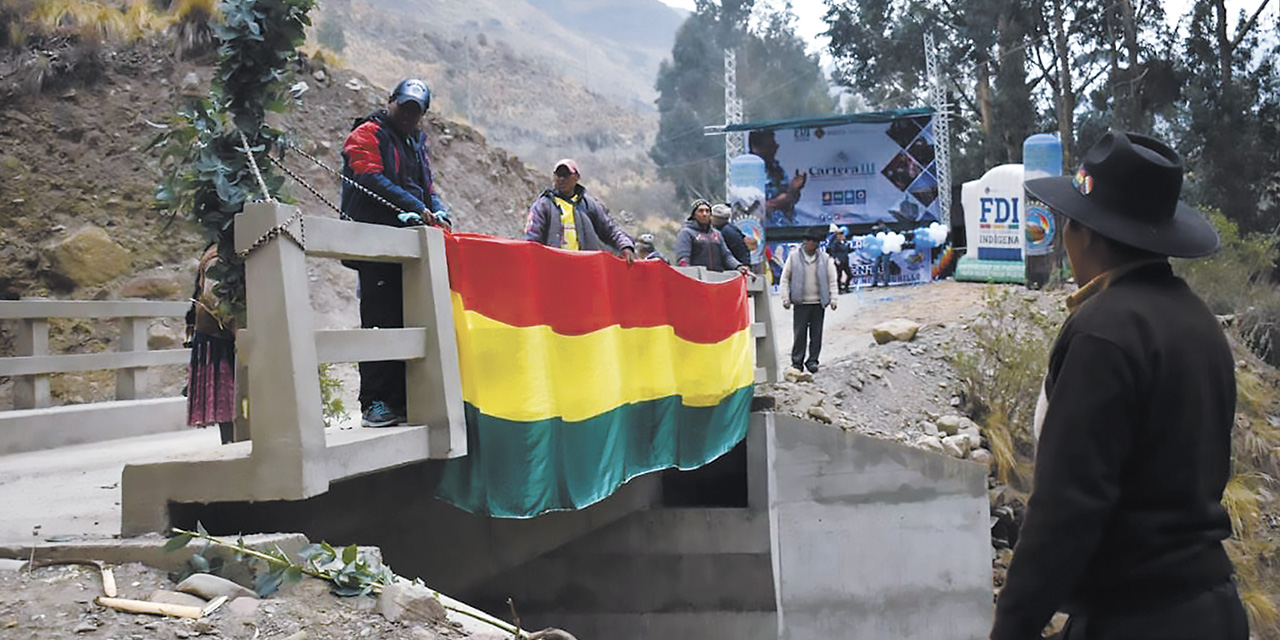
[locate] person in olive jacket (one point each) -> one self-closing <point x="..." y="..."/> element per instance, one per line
<point x="1124" y="528"/>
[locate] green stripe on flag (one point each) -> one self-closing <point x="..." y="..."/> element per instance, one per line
<point x="522" y="469"/>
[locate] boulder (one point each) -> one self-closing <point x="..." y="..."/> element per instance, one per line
<point x="166" y="333"/>
<point x="981" y="456"/>
<point x="950" y="425"/>
<point x="173" y="597"/>
<point x="242" y="607"/>
<point x="955" y="446"/>
<point x="157" y="286"/>
<point x="818" y="413"/>
<point x="86" y="258"/>
<point x="896" y="329"/>
<point x="928" y="442"/>
<point x="410" y="602"/>
<point x="209" y="586"/>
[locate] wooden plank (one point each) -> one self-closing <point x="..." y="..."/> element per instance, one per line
<point x="330" y="238"/>
<point x="66" y="363"/>
<point x="43" y="308"/>
<point x="370" y="345"/>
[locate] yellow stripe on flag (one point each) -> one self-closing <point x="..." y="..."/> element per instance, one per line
<point x="531" y="373"/>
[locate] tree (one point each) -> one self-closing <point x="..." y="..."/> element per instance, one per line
<point x="1228" y="122"/>
<point x="776" y="79"/>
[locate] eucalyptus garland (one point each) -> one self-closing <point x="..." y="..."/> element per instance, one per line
<point x="207" y="173"/>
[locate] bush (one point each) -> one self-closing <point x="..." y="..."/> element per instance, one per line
<point x="1237" y="281"/>
<point x="1003" y="372"/>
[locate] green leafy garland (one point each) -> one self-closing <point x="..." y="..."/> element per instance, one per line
<point x="349" y="572"/>
<point x="207" y="173"/>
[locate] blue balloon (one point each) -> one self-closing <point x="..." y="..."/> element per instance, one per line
<point x="872" y="246"/>
<point x="923" y="239"/>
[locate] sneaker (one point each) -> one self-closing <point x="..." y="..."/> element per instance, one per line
<point x="812" y="367"/>
<point x="380" y="415"/>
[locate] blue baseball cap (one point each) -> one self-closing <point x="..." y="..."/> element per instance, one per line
<point x="412" y="90"/>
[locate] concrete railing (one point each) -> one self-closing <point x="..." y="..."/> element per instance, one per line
<point x="281" y="350"/>
<point x="33" y="423"/>
<point x="290" y="455"/>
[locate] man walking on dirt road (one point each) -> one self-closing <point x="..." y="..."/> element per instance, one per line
<point x="1125" y="526"/>
<point x="809" y="282"/>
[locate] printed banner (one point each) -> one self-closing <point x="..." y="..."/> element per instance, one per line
<point x="580" y="373"/>
<point x="855" y="173"/>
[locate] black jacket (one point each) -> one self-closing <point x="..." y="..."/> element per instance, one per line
<point x="1134" y="453"/>
<point x="736" y="242"/>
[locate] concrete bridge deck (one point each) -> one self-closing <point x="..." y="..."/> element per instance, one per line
<point x="73" y="492"/>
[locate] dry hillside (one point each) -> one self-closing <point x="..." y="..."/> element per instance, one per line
<point x="75" y="155"/>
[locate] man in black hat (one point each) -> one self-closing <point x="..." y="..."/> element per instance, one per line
<point x="809" y="282"/>
<point x="387" y="180"/>
<point x="1124" y="528"/>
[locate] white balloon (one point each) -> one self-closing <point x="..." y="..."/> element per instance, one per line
<point x="892" y="241"/>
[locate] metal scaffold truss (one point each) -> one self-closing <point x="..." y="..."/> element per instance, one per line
<point x="734" y="142"/>
<point x="941" y="127"/>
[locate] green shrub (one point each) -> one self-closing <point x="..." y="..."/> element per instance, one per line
<point x="1237" y="280"/>
<point x="1003" y="372"/>
<point x="331" y="403"/>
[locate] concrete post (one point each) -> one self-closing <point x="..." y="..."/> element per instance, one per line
<point x="288" y="427"/>
<point x="131" y="382"/>
<point x="766" y="348"/>
<point x="32" y="392"/>
<point x="433" y="382"/>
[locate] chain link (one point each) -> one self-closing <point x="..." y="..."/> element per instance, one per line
<point x="304" y="183"/>
<point x="253" y="164"/>
<point x="345" y="179"/>
<point x="281" y="229"/>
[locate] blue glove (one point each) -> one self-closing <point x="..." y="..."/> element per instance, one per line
<point x="442" y="218"/>
<point x="410" y="219"/>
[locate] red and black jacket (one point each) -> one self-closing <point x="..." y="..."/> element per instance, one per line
<point x="392" y="165"/>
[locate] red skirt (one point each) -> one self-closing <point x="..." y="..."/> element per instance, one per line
<point x="211" y="382"/>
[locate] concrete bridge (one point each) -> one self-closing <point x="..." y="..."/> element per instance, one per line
<point x="803" y="531"/>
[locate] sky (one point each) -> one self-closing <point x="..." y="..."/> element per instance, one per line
<point x="809" y="14"/>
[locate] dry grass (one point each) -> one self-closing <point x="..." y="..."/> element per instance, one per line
<point x="95" y="22"/>
<point x="1002" y="374"/>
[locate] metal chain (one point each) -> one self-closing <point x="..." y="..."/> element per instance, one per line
<point x="345" y="179"/>
<point x="253" y="164"/>
<point x="281" y="229"/>
<point x="304" y="183"/>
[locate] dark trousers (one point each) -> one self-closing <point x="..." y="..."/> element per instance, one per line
<point x="880" y="272"/>
<point x="1215" y="614"/>
<point x="806" y="323"/>
<point x="844" y="275"/>
<point x="382" y="306"/>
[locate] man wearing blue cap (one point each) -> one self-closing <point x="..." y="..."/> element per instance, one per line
<point x="386" y="179"/>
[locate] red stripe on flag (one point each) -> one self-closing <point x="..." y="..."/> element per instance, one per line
<point x="526" y="284"/>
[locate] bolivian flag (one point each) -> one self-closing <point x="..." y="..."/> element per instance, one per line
<point x="580" y="373"/>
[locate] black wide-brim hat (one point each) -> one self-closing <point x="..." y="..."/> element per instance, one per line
<point x="1127" y="189"/>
